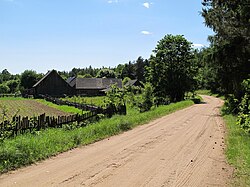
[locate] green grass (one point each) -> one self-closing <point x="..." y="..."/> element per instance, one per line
<point x="64" y="108"/>
<point x="203" y="92"/>
<point x="12" y="98"/>
<point x="97" y="101"/>
<point x="238" y="151"/>
<point x="208" y="92"/>
<point x="29" y="148"/>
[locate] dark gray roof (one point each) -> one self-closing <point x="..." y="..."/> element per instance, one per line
<point x="44" y="77"/>
<point x="97" y="83"/>
<point x="131" y="82"/>
<point x="71" y="81"/>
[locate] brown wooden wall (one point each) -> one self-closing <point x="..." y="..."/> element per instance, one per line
<point x="54" y="85"/>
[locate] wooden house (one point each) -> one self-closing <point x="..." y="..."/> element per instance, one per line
<point x="52" y="84"/>
<point x="93" y="86"/>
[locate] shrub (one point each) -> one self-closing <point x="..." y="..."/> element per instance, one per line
<point x="147" y="98"/>
<point x="244" y="108"/>
<point x="231" y="105"/>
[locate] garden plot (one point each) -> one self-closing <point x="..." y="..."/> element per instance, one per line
<point x="25" y="107"/>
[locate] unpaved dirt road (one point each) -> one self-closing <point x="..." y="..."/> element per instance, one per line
<point x="182" y="149"/>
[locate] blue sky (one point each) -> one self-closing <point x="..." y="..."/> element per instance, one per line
<point x="61" y="34"/>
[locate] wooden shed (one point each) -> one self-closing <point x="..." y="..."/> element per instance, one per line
<point x="54" y="85"/>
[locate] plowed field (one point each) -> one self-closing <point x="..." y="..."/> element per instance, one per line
<point x="26" y="107"/>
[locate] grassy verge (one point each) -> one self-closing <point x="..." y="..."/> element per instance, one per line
<point x="203" y="92"/>
<point x="208" y="92"/>
<point x="238" y="151"/>
<point x="64" y="108"/>
<point x="29" y="148"/>
<point x="12" y="98"/>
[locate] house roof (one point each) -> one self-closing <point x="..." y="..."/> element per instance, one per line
<point x="44" y="77"/>
<point x="71" y="81"/>
<point x="97" y="83"/>
<point x="131" y="82"/>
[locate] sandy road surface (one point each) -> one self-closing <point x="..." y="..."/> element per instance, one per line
<point x="182" y="149"/>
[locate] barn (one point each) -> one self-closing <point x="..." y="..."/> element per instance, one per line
<point x="53" y="84"/>
<point x="93" y="86"/>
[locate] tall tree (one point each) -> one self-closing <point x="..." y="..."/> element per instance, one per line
<point x="5" y="76"/>
<point x="231" y="43"/>
<point x="128" y="71"/>
<point x="107" y="73"/>
<point x="172" y="68"/>
<point x="29" y="78"/>
<point x="118" y="70"/>
<point x="140" y="69"/>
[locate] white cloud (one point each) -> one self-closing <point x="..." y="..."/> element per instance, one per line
<point x="146" y="5"/>
<point x="146" y="32"/>
<point x="113" y="1"/>
<point x="198" y="45"/>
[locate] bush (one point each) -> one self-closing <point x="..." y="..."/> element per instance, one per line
<point x="244" y="108"/>
<point x="4" y="89"/>
<point x="231" y="105"/>
<point x="147" y="98"/>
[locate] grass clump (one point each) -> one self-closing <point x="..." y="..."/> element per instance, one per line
<point x="63" y="108"/>
<point x="12" y="98"/>
<point x="238" y="151"/>
<point x="29" y="148"/>
<point x="97" y="100"/>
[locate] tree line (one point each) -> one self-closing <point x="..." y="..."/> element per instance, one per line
<point x="10" y="83"/>
<point x="171" y="71"/>
<point x="226" y="62"/>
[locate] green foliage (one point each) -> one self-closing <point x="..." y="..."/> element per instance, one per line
<point x="29" y="78"/>
<point x="244" y="108"/>
<point x="125" y="80"/>
<point x="230" y="46"/>
<point x="87" y="76"/>
<point x="231" y="105"/>
<point x="238" y="151"/>
<point x="4" y="89"/>
<point x="118" y="70"/>
<point x="5" y="76"/>
<point x="128" y="71"/>
<point x="64" y="108"/>
<point x="147" y="98"/>
<point x="97" y="100"/>
<point x="115" y="95"/>
<point x="13" y="85"/>
<point x="172" y="69"/>
<point x="106" y="73"/>
<point x="84" y="76"/>
<point x="206" y="75"/>
<point x="140" y="69"/>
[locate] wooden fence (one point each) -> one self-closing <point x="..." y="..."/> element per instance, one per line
<point x="20" y="125"/>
